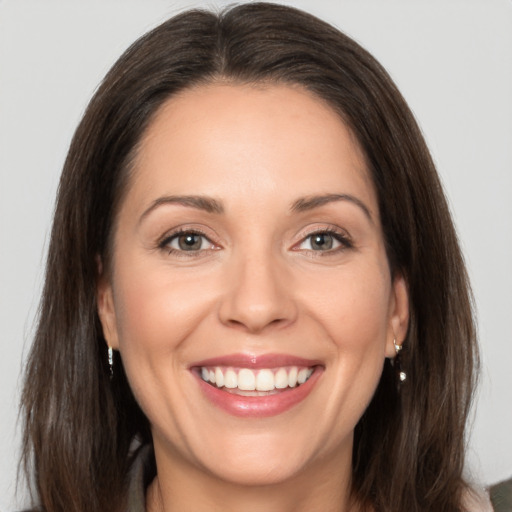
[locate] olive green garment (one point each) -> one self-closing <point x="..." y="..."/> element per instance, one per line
<point x="141" y="474"/>
<point x="501" y="496"/>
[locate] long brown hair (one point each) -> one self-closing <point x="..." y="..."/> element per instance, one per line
<point x="409" y="445"/>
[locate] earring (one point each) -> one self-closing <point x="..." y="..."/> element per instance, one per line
<point x="111" y="362"/>
<point x="401" y="374"/>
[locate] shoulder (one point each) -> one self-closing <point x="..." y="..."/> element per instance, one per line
<point x="141" y="473"/>
<point x="476" y="500"/>
<point x="501" y="496"/>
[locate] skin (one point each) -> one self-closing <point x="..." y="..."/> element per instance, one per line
<point x="256" y="286"/>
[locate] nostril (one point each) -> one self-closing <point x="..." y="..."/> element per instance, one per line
<point x="255" y="326"/>
<point x="257" y="298"/>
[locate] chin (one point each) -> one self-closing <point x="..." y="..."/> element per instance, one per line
<point x="269" y="456"/>
<point x="258" y="471"/>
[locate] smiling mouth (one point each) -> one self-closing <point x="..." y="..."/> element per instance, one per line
<point x="254" y="386"/>
<point x="260" y="382"/>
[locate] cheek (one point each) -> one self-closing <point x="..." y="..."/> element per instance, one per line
<point x="358" y="329"/>
<point x="356" y="320"/>
<point x="156" y="310"/>
<point x="353" y="306"/>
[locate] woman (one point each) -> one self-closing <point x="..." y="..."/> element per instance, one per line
<point x="254" y="296"/>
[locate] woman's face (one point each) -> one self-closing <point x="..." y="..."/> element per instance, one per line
<point x="249" y="252"/>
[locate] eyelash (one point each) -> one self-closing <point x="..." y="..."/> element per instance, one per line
<point x="342" y="238"/>
<point x="164" y="244"/>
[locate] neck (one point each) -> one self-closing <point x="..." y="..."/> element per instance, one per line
<point x="321" y="488"/>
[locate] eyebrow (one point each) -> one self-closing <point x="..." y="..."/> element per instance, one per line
<point x="309" y="203"/>
<point x="210" y="205"/>
<point x="206" y="204"/>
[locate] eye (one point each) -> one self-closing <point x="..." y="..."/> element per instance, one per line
<point x="186" y="241"/>
<point x="324" y="241"/>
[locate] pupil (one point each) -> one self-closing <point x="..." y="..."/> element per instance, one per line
<point x="321" y="241"/>
<point x="190" y="242"/>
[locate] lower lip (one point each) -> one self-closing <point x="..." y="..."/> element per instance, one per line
<point x="259" y="406"/>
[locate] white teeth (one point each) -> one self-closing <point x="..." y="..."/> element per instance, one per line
<point x="230" y="379"/>
<point x="292" y="377"/>
<point x="281" y="378"/>
<point x="219" y="377"/>
<point x="246" y="380"/>
<point x="302" y="376"/>
<point x="263" y="380"/>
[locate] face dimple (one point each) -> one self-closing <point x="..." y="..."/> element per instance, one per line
<point x="251" y="227"/>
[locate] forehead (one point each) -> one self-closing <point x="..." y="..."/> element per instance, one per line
<point x="226" y="139"/>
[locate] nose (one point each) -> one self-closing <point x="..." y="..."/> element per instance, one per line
<point x="258" y="294"/>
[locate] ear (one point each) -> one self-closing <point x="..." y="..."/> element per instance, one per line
<point x="398" y="315"/>
<point x="106" y="309"/>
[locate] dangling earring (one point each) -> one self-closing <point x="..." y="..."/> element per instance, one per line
<point x="401" y="374"/>
<point x="111" y="362"/>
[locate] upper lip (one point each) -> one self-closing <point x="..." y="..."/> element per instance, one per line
<point x="257" y="361"/>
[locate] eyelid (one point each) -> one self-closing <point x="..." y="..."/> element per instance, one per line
<point x="341" y="235"/>
<point x="164" y="241"/>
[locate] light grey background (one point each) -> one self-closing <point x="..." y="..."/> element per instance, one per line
<point x="451" y="59"/>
